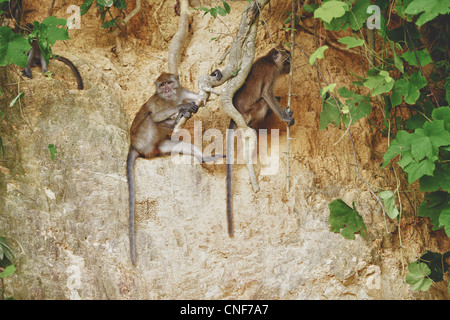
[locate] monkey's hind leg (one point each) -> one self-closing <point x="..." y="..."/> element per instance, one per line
<point x="27" y="71"/>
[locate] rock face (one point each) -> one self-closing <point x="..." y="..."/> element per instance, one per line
<point x="67" y="218"/>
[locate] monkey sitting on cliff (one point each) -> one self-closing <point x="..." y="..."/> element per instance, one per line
<point x="151" y="127"/>
<point x="35" y="57"/>
<point x="255" y="100"/>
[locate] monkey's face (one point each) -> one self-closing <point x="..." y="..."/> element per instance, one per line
<point x="167" y="89"/>
<point x="167" y="85"/>
<point x="282" y="59"/>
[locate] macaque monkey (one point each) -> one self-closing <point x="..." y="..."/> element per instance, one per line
<point x="35" y="57"/>
<point x="151" y="127"/>
<point x="255" y="100"/>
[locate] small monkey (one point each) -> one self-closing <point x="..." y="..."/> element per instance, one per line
<point x="255" y="100"/>
<point x="151" y="127"/>
<point x="35" y="57"/>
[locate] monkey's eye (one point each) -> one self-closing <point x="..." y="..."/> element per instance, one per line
<point x="165" y="83"/>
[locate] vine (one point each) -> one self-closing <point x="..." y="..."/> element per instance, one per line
<point x="421" y="144"/>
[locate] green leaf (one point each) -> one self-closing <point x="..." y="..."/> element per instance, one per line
<point x="430" y="8"/>
<point x="442" y="113"/>
<point x="418" y="276"/>
<point x="388" y="198"/>
<point x="351" y="42"/>
<point x="401" y="6"/>
<point x="329" y="114"/>
<point x="358" y="105"/>
<point x="326" y="89"/>
<point x="380" y="83"/>
<point x="397" y="61"/>
<point x="52" y="149"/>
<point x="120" y="4"/>
<point x="345" y="218"/>
<point x="55" y="30"/>
<point x="105" y="3"/>
<point x="440" y="179"/>
<point x="9" y="270"/>
<point x="444" y="220"/>
<point x="423" y="55"/>
<point x="330" y="10"/>
<point x="5" y="250"/>
<point x="84" y="8"/>
<point x="399" y="89"/>
<point x="109" y="24"/>
<point x="13" y="48"/>
<point x="354" y="18"/>
<point x="409" y="89"/>
<point x="433" y="205"/>
<point x="417" y="169"/>
<point x="436" y="133"/>
<point x="318" y="54"/>
<point x="400" y="145"/>
<point x="226" y="6"/>
<point x="447" y="90"/>
<point x="358" y="14"/>
<point x="213" y="12"/>
<point x="221" y="11"/>
<point x="19" y="96"/>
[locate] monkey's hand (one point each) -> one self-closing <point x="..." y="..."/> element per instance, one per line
<point x="290" y="121"/>
<point x="216" y="73"/>
<point x="188" y="108"/>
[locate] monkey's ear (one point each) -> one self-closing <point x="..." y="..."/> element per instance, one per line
<point x="177" y="77"/>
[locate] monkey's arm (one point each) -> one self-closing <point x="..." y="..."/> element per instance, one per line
<point x="184" y="109"/>
<point x="165" y="114"/>
<point x="188" y="96"/>
<point x="272" y="101"/>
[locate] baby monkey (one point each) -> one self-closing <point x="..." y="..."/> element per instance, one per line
<point x="36" y="58"/>
<point x="151" y="127"/>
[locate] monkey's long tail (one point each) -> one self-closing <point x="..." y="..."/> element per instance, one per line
<point x="132" y="155"/>
<point x="73" y="68"/>
<point x="229" y="162"/>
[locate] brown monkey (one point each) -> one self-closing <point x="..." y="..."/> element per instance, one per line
<point x="255" y="100"/>
<point x="151" y="127"/>
<point x="35" y="57"/>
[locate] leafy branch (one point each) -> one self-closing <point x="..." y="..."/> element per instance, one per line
<point x="422" y="147"/>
